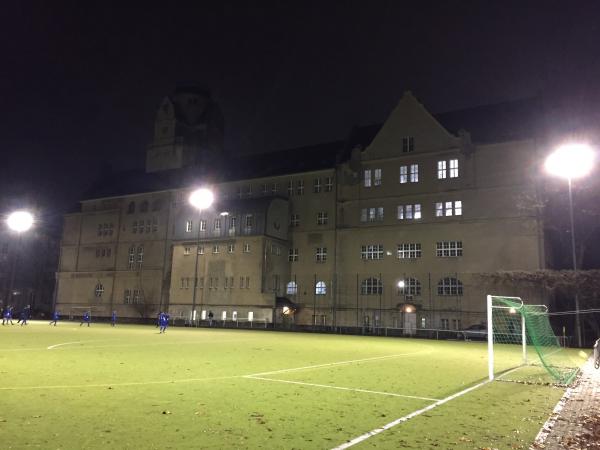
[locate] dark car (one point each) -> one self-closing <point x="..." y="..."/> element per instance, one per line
<point x="474" y="332"/>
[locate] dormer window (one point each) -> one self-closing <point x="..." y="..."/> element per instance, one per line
<point x="408" y="144"/>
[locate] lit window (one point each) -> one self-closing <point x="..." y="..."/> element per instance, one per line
<point x="412" y="286"/>
<point x="140" y="256"/>
<point x="188" y="226"/>
<point x="321" y="254"/>
<point x="377" y="180"/>
<point x="328" y="184"/>
<point x="246" y="248"/>
<point x="99" y="290"/>
<point x="370" y="252"/>
<point x="203" y="225"/>
<point x="409" y="212"/>
<point x="458" y="208"/>
<point x="248" y="224"/>
<point x="409" y="251"/>
<point x="441" y="170"/>
<point x="291" y="288"/>
<point x="367" y="177"/>
<point x="321" y="288"/>
<point x="131" y="257"/>
<point x="293" y="255"/>
<point x="300" y="187"/>
<point x="371" y="286"/>
<point x="217" y="226"/>
<point x="414" y="173"/>
<point x="453" y="163"/>
<point x="403" y="174"/>
<point x="317" y="185"/>
<point x="322" y="218"/>
<point x="408" y="144"/>
<point x="216" y="248"/>
<point x="447" y="209"/>
<point x="449" y="249"/>
<point x="230" y="248"/>
<point x="450" y="286"/>
<point x="439" y="209"/>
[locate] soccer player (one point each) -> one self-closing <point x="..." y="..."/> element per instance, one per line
<point x="113" y="319"/>
<point x="55" y="318"/>
<point x="85" y="318"/>
<point x="164" y="322"/>
<point x="24" y="316"/>
<point x="7" y="316"/>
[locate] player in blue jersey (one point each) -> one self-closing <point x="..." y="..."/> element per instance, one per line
<point x="164" y="322"/>
<point x="85" y="318"/>
<point x="7" y="316"/>
<point x="113" y="319"/>
<point x="24" y="316"/>
<point x="55" y="318"/>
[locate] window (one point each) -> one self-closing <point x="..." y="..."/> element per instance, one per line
<point x="154" y="225"/>
<point x="217" y="226"/>
<point x="226" y="285"/>
<point x="185" y="283"/>
<point x="131" y="208"/>
<point x="371" y="286"/>
<point x="290" y="188"/>
<point x="370" y="252"/>
<point x="409" y="174"/>
<point x="321" y="288"/>
<point x="188" y="226"/>
<point x="186" y="250"/>
<point x="448" y="249"/>
<point x="275" y="188"/>
<point x="377" y="180"/>
<point x="293" y="255"/>
<point x="453" y="172"/>
<point x="241" y="282"/>
<point x="317" y="186"/>
<point x="127" y="297"/>
<point x="131" y="257"/>
<point x="444" y="325"/>
<point x="99" y="290"/>
<point x="232" y="225"/>
<point x="248" y="224"/>
<point x="247" y="282"/>
<point x="300" y="187"/>
<point x="230" y="248"/>
<point x="408" y="144"/>
<point x="403" y="174"/>
<point x="367" y="177"/>
<point x="409" y="251"/>
<point x="328" y="184"/>
<point x="201" y="249"/>
<point x="450" y="286"/>
<point x="412" y="286"/>
<point x="447" y="209"/>
<point x="248" y="191"/>
<point x="295" y="220"/>
<point x="321" y="254"/>
<point x="409" y="212"/>
<point x="148" y="226"/>
<point x="246" y="248"/>
<point x="264" y="188"/>
<point x="291" y="288"/>
<point x="371" y="214"/>
<point x="441" y="170"/>
<point x="215" y="248"/>
<point x="144" y="206"/>
<point x="322" y="218"/>
<point x="203" y="225"/>
<point x="140" y="256"/>
<point x="134" y="228"/>
<point x="414" y="173"/>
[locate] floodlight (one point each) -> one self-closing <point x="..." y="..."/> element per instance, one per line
<point x="20" y="221"/>
<point x="570" y="161"/>
<point x="201" y="198"/>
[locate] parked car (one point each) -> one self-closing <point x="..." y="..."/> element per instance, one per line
<point x="474" y="332"/>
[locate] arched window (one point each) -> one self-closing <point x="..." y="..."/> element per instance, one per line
<point x="292" y="288"/>
<point x="131" y="208"/>
<point x="144" y="206"/>
<point x="99" y="290"/>
<point x="371" y="286"/>
<point x="321" y="288"/>
<point x="450" y="286"/>
<point x="412" y="286"/>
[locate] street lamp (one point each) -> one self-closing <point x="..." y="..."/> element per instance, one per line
<point x="19" y="222"/>
<point x="571" y="161"/>
<point x="200" y="199"/>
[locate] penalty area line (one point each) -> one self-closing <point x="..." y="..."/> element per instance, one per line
<point x="366" y="391"/>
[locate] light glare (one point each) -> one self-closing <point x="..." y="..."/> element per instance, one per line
<point x="201" y="198"/>
<point x="20" y="221"/>
<point x="401" y="284"/>
<point x="570" y="161"/>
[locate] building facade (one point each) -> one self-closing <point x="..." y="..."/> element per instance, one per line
<point x="395" y="226"/>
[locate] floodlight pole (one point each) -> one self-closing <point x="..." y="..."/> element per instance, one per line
<point x="196" y="272"/>
<point x="574" y="256"/>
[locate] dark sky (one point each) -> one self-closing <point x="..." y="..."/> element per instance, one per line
<point x="80" y="83"/>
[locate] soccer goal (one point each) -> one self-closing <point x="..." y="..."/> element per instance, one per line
<point x="521" y="340"/>
<point x="77" y="311"/>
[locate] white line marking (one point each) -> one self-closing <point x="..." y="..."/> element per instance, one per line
<point x="376" y="431"/>
<point x="64" y="343"/>
<point x="391" y="394"/>
<point x="318" y="366"/>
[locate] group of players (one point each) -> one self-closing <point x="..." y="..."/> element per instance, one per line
<point x="7" y="316"/>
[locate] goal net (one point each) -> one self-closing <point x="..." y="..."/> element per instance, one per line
<point x="76" y="312"/>
<point x="522" y="345"/>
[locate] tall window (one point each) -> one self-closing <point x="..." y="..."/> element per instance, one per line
<point x="246" y="247"/>
<point x="127" y="296"/>
<point x="144" y="206"/>
<point x="367" y="177"/>
<point x="328" y="184"/>
<point x="369" y="252"/>
<point x="290" y="188"/>
<point x="293" y="255"/>
<point x="408" y="144"/>
<point x="371" y="286"/>
<point x="295" y="220"/>
<point x="414" y="173"/>
<point x="275" y="188"/>
<point x="131" y="208"/>
<point x="203" y="225"/>
<point x="409" y="251"/>
<point x="447" y="209"/>
<point x="217" y="226"/>
<point x="412" y="286"/>
<point x="371" y="214"/>
<point x="449" y="249"/>
<point x="377" y="177"/>
<point x="154" y="224"/>
<point x="188" y="226"/>
<point x="447" y="169"/>
<point x="248" y="224"/>
<point x="409" y="212"/>
<point x="321" y="254"/>
<point x="322" y="218"/>
<point x="99" y="290"/>
<point x="230" y="248"/>
<point x="441" y="170"/>
<point x="453" y="172"/>
<point x="140" y="256"/>
<point x="450" y="286"/>
<point x="201" y="249"/>
<point x="321" y="288"/>
<point x="264" y="188"/>
<point x="249" y="190"/>
<point x="300" y="187"/>
<point x="232" y="225"/>
<point x="317" y="186"/>
<point x="291" y="288"/>
<point x="131" y="260"/>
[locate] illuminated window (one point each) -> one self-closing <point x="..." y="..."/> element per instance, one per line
<point x="371" y="286"/>
<point x="99" y="290"/>
<point x="447" y="209"/>
<point x="230" y="248"/>
<point x="409" y="212"/>
<point x="453" y="163"/>
<point x="321" y="288"/>
<point x="412" y="286"/>
<point x="290" y="188"/>
<point x="441" y="170"/>
<point x="377" y="177"/>
<point x="370" y="252"/>
<point x="449" y="249"/>
<point x="450" y="286"/>
<point x="291" y="288"/>
<point x="188" y="226"/>
<point x="409" y="251"/>
<point x="321" y="254"/>
<point x="367" y="177"/>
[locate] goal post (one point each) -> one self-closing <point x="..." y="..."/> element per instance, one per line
<point x="514" y="328"/>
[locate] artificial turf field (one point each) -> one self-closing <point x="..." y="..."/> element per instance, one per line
<point x="73" y="387"/>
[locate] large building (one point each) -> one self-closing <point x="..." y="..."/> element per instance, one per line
<point x="394" y="226"/>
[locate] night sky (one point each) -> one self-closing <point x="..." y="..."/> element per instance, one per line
<point x="80" y="84"/>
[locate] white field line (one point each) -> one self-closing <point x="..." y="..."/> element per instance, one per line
<point x="64" y="343"/>
<point x="137" y="344"/>
<point x="390" y="394"/>
<point x="339" y="363"/>
<point x="359" y="439"/>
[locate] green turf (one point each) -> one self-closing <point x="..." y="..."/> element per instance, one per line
<point x="129" y="387"/>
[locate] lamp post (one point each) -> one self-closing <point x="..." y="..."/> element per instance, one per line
<point x="19" y="222"/>
<point x="571" y="161"/>
<point x="200" y="199"/>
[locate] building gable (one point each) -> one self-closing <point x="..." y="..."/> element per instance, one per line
<point x="409" y="119"/>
